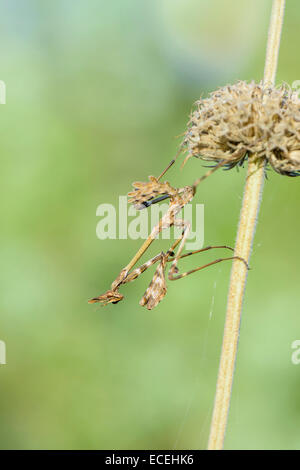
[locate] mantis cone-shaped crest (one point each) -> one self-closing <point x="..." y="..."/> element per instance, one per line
<point x="145" y="192"/>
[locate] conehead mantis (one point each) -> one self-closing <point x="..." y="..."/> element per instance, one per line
<point x="144" y="195"/>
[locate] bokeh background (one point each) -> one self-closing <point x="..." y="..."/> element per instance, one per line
<point x="97" y="92"/>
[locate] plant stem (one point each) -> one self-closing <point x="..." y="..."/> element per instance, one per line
<point x="246" y="230"/>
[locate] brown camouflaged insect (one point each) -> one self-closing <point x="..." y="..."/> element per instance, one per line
<point x="144" y="195"/>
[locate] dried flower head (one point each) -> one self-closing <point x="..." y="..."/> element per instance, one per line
<point x="157" y="288"/>
<point x="246" y="119"/>
<point x="110" y="297"/>
<point x="145" y="192"/>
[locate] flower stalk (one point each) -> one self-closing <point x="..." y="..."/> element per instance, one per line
<point x="246" y="230"/>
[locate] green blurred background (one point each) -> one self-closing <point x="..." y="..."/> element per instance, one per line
<point x="97" y="91"/>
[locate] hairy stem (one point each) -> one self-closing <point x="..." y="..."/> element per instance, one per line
<point x="246" y="230"/>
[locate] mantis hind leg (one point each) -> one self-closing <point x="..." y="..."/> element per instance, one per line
<point x="173" y="276"/>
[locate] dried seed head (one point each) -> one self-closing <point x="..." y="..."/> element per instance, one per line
<point x="157" y="288"/>
<point x="145" y="192"/>
<point x="110" y="296"/>
<point x="240" y="120"/>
